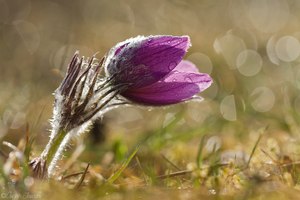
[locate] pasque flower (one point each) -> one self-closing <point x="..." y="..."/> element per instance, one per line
<point x="144" y="70"/>
<point x="82" y="97"/>
<point x="153" y="69"/>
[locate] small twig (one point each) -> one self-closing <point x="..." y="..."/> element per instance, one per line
<point x="170" y="162"/>
<point x="290" y="164"/>
<point x="27" y="133"/>
<point x="179" y="173"/>
<point x="267" y="154"/>
<point x="77" y="186"/>
<point x="140" y="166"/>
<point x="10" y="145"/>
<point x="72" y="175"/>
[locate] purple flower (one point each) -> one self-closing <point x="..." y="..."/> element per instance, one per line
<point x="153" y="70"/>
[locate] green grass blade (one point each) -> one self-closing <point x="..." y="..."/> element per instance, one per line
<point x="254" y="148"/>
<point x="117" y="174"/>
<point x="199" y="154"/>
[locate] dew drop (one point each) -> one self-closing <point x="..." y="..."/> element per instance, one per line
<point x="287" y="48"/>
<point x="271" y="51"/>
<point x="263" y="99"/>
<point x="94" y="105"/>
<point x="213" y="144"/>
<point x="29" y="181"/>
<point x="202" y="61"/>
<point x="211" y="92"/>
<point x="238" y="157"/>
<point x="249" y="62"/>
<point x="230" y="47"/>
<point x="228" y="108"/>
<point x="188" y="79"/>
<point x="172" y="65"/>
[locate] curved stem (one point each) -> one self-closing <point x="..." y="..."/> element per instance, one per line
<point x="57" y="154"/>
<point x="53" y="145"/>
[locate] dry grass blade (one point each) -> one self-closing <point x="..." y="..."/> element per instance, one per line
<point x="78" y="185"/>
<point x="179" y="173"/>
<point x="72" y="175"/>
<point x="253" y="150"/>
<point x="170" y="162"/>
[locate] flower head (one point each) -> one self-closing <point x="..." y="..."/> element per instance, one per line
<point x="146" y="70"/>
<point x="81" y="96"/>
<point x="153" y="69"/>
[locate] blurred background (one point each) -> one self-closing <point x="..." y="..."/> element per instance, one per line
<point x="250" y="48"/>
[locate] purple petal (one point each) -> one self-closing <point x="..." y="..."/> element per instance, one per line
<point x="118" y="49"/>
<point x="186" y="66"/>
<point x="143" y="61"/>
<point x="175" y="88"/>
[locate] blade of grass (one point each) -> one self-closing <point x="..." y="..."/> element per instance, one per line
<point x="170" y="162"/>
<point x="175" y="174"/>
<point x="29" y="143"/>
<point x="117" y="174"/>
<point x="140" y="166"/>
<point x="254" y="148"/>
<point x="79" y="183"/>
<point x="199" y="154"/>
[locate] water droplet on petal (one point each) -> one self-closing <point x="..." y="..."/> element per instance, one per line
<point x="172" y="65"/>
<point x="188" y="79"/>
<point x="228" y="108"/>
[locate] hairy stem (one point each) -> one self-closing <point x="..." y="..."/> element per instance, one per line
<point x="57" y="154"/>
<point x="53" y="145"/>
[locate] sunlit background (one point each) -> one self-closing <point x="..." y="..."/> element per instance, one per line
<point x="250" y="48"/>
